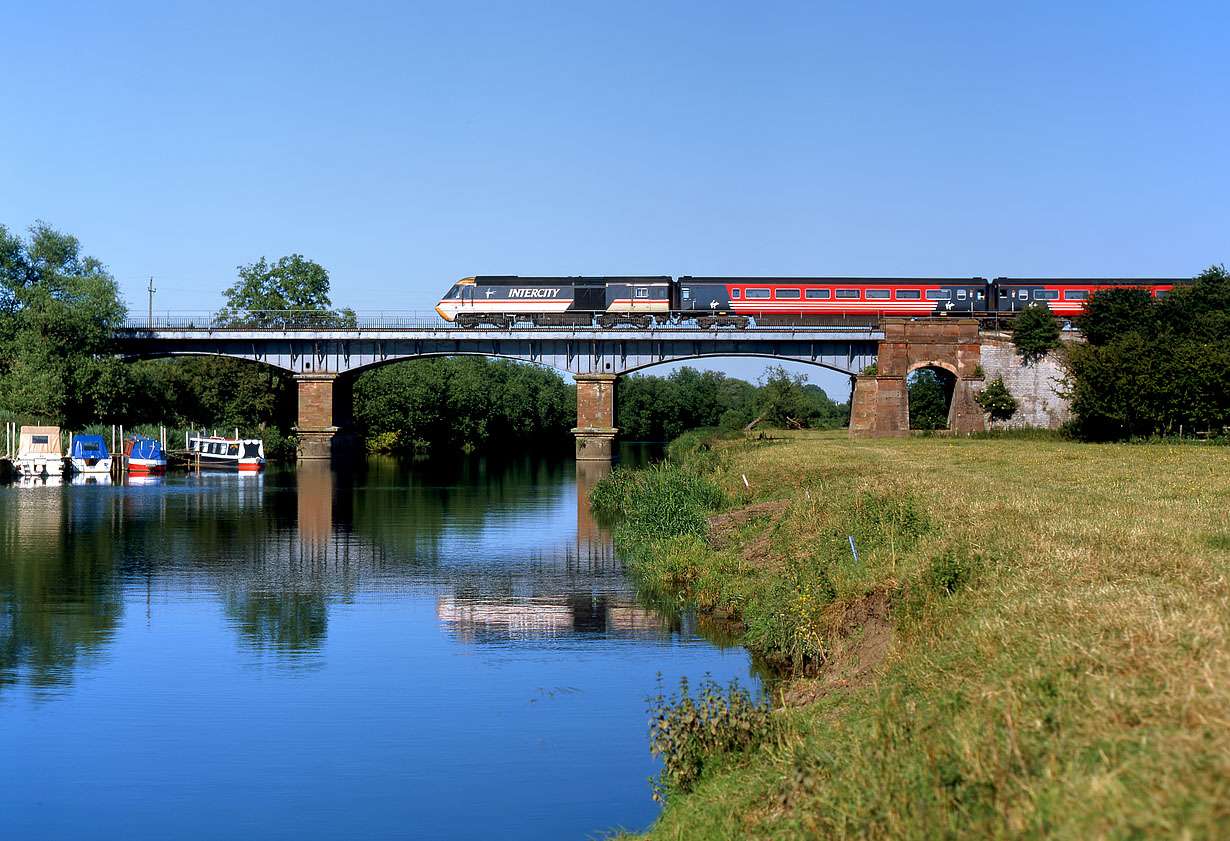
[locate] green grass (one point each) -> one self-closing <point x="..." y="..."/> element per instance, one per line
<point x="1056" y="650"/>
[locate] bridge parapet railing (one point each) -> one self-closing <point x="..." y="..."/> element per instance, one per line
<point x="284" y="320"/>
<point x="298" y="320"/>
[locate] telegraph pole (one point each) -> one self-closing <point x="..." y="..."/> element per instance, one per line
<point x="150" y="323"/>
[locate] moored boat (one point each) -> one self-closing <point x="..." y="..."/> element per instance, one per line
<point x="89" y="454"/>
<point x="144" y="455"/>
<point x="38" y="452"/>
<point x="244" y="454"/>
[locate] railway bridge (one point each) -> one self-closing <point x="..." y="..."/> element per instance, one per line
<point x="323" y="359"/>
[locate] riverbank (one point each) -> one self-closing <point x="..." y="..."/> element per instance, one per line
<point x="1033" y="641"/>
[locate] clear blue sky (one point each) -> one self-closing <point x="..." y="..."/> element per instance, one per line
<point x="406" y="145"/>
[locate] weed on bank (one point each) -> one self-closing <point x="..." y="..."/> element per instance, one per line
<point x="1031" y="642"/>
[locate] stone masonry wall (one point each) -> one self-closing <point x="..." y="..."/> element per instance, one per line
<point x="1034" y="386"/>
<point x="595" y="400"/>
<point x="315" y="403"/>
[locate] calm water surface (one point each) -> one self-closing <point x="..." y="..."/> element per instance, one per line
<point x="396" y="651"/>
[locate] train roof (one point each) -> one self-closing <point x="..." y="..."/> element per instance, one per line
<point x="565" y="281"/>
<point x="839" y="281"/>
<point x="1092" y="281"/>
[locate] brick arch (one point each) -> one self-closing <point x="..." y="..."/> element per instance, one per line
<point x="880" y="407"/>
<point x="933" y="363"/>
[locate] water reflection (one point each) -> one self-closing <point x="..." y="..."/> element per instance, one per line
<point x="327" y="655"/>
<point x="59" y="602"/>
<point x="509" y="551"/>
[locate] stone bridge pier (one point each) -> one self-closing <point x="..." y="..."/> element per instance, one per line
<point x="595" y="430"/>
<point x="880" y="407"/>
<point x="324" y="409"/>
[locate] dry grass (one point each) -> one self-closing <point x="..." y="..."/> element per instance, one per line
<point x="1075" y="685"/>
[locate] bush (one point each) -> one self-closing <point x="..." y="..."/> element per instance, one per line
<point x="659" y="502"/>
<point x="1153" y="367"/>
<point x="1035" y="332"/>
<point x="689" y="732"/>
<point x="997" y="401"/>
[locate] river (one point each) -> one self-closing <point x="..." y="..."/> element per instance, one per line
<point x="402" y="649"/>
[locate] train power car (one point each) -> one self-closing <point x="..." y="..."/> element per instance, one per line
<point x="639" y="301"/>
<point x="557" y="301"/>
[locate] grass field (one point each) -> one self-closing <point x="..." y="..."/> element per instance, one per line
<point x="1034" y="641"/>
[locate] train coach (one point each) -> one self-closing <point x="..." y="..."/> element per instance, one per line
<point x="639" y="301"/>
<point x="1066" y="296"/>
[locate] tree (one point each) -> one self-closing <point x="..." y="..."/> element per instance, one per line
<point x="788" y="402"/>
<point x="1154" y="367"/>
<point x="1035" y="332"/>
<point x="462" y="403"/>
<point x="58" y="310"/>
<point x="1114" y="312"/>
<point x="294" y="289"/>
<point x="649" y="408"/>
<point x="928" y="400"/>
<point x="997" y="401"/>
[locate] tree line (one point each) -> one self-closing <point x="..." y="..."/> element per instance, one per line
<point x="60" y="307"/>
<point x="1153" y="366"/>
<point x="652" y="408"/>
<point x="1147" y="366"/>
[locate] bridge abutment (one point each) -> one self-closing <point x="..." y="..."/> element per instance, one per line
<point x="595" y="430"/>
<point x="880" y="406"/>
<point x="315" y="429"/>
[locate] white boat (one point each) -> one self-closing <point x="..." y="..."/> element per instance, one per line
<point x="244" y="454"/>
<point x="38" y="453"/>
<point x="89" y="455"/>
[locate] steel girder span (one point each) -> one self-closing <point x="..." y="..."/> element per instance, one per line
<point x="588" y="351"/>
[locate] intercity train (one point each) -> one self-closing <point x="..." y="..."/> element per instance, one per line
<point x="501" y="301"/>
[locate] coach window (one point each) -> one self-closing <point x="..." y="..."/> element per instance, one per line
<point x="734" y="293"/>
<point x="687" y="293"/>
<point x="642" y="291"/>
<point x="817" y="293"/>
<point x="938" y="294"/>
<point x="847" y="293"/>
<point x="877" y="293"/>
<point x="659" y="292"/>
<point x="1161" y="293"/>
<point x="1075" y="294"/>
<point x="785" y="293"/>
<point x="1046" y="294"/>
<point x="757" y="293"/>
<point x="961" y="294"/>
<point x="908" y="294"/>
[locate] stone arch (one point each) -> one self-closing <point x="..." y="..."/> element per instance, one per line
<point x="932" y="363"/>
<point x="946" y="376"/>
<point x="880" y="404"/>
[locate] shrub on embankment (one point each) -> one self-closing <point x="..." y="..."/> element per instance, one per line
<point x="1033" y="643"/>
